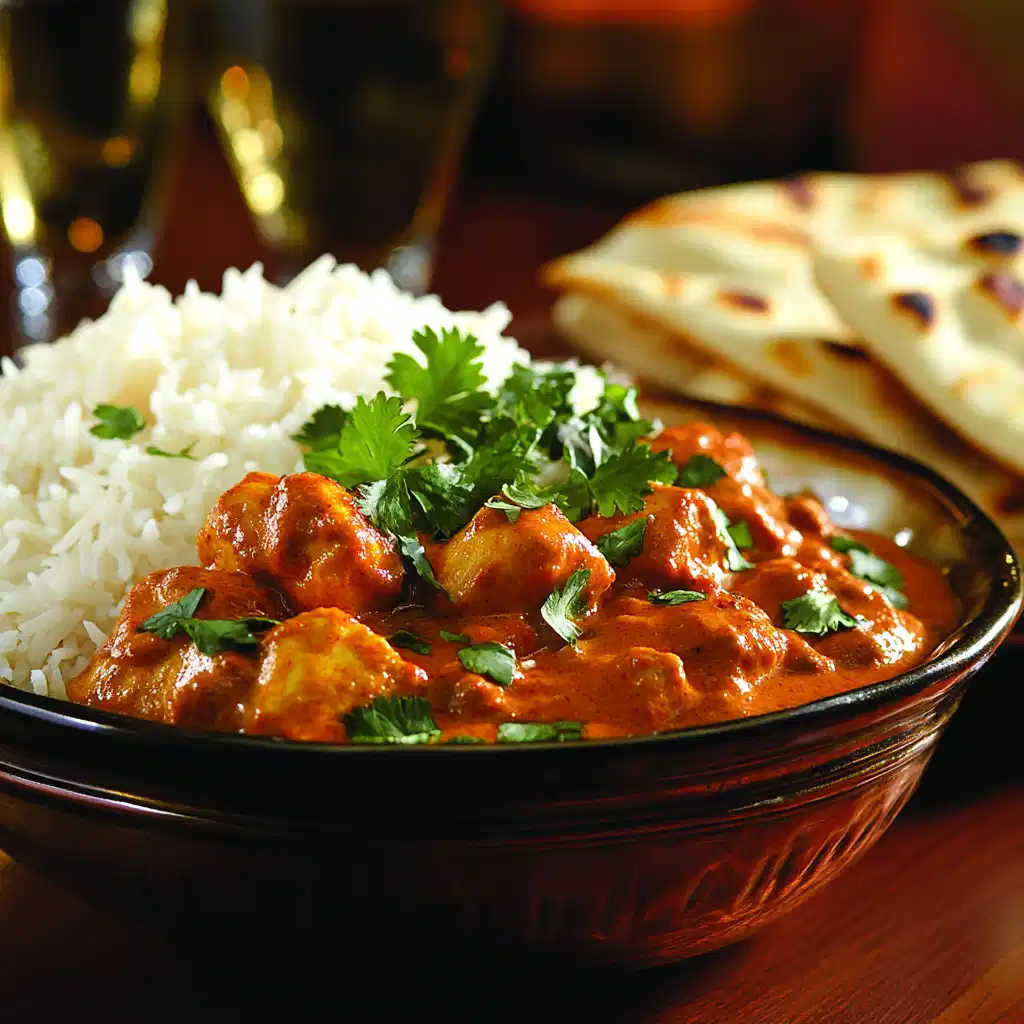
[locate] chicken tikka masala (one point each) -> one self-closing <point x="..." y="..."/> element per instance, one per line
<point x="461" y="565"/>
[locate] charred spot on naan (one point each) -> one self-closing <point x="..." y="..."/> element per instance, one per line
<point x="870" y="267"/>
<point x="745" y="302"/>
<point x="790" y="356"/>
<point x="855" y="351"/>
<point x="919" y="305"/>
<point x="967" y="191"/>
<point x="995" y="244"/>
<point x="799" y="192"/>
<point x="1006" y="290"/>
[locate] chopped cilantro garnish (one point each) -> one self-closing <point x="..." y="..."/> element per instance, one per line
<point x="447" y="386"/>
<point x="870" y="567"/>
<point x="412" y="549"/>
<point x="119" y="422"/>
<point x="455" y="638"/>
<point x="404" y="720"/>
<point x="462" y="740"/>
<point x="883" y="576"/>
<point x="700" y="471"/>
<point x="624" y="544"/>
<point x="539" y="732"/>
<point x="494" y="661"/>
<point x="324" y="427"/>
<point x="184" y="453"/>
<point x="672" y="597"/>
<point x="734" y="560"/>
<point x="410" y="641"/>
<point x="816" y="612"/>
<point x="566" y="604"/>
<point x="518" y="497"/>
<point x="377" y="439"/>
<point x="210" y="635"/>
<point x="740" y="533"/>
<point x="845" y="544"/>
<point x="621" y="482"/>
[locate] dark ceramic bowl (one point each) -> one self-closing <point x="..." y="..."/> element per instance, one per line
<point x="633" y="852"/>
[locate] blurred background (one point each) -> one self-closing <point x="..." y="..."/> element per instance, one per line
<point x="460" y="143"/>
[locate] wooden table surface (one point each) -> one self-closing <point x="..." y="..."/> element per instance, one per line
<point x="928" y="926"/>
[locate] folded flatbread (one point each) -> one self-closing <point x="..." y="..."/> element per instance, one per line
<point x="719" y="293"/>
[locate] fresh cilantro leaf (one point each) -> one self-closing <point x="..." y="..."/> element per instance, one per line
<point x="377" y="439"/>
<point x="455" y="638"/>
<point x="734" y="560"/>
<point x="583" y="445"/>
<point x="673" y="597"/>
<point x="410" y="641"/>
<point x="620" y="483"/>
<point x="412" y="548"/>
<point x="210" y="635"/>
<point x="539" y="732"/>
<point x="494" y="661"/>
<point x="119" y="422"/>
<point x="462" y="740"/>
<point x="518" y="497"/>
<point x="566" y="604"/>
<point x="896" y="597"/>
<point x="400" y="720"/>
<point x="447" y="387"/>
<point x="388" y="505"/>
<point x="868" y="566"/>
<point x="624" y="544"/>
<point x="817" y="612"/>
<point x="185" y="453"/>
<point x="883" y="576"/>
<point x="700" y="471"/>
<point x="513" y="512"/>
<point x="538" y="396"/>
<point x="846" y="544"/>
<point x="167" y="623"/>
<point x="446" y="498"/>
<point x="740" y="533"/>
<point x="324" y="427"/>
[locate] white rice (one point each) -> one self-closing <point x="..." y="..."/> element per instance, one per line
<point x="82" y="518"/>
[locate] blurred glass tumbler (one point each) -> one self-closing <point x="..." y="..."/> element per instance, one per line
<point x="345" y="121"/>
<point x="88" y="108"/>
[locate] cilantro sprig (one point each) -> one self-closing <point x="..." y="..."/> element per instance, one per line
<point x="817" y="612"/>
<point x="410" y="641"/>
<point x="120" y="422"/>
<point x="734" y="560"/>
<point x="493" y="661"/>
<point x="393" y="720"/>
<point x="674" y="597"/>
<point x="700" y="471"/>
<point x="211" y="636"/>
<point x="539" y="732"/>
<point x="183" y="453"/>
<point x="866" y="565"/>
<point x="621" y="546"/>
<point x="566" y="604"/>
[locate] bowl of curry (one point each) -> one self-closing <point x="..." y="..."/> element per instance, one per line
<point x="625" y="732"/>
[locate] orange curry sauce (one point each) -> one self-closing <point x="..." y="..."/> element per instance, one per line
<point x="298" y="549"/>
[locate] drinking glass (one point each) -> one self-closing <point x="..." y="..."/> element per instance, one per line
<point x="89" y="104"/>
<point x="344" y="121"/>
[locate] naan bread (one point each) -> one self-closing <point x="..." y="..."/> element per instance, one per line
<point x="951" y="330"/>
<point x="606" y="333"/>
<point x="734" y="275"/>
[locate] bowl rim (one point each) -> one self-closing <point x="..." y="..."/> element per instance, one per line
<point x="969" y="644"/>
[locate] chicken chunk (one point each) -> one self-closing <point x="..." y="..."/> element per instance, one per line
<point x="681" y="546"/>
<point x="494" y="565"/>
<point x="316" y="668"/>
<point x="726" y="643"/>
<point x="172" y="681"/>
<point x="306" y="534"/>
